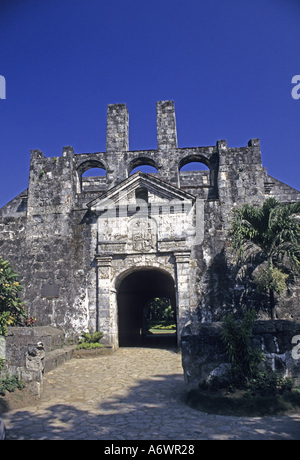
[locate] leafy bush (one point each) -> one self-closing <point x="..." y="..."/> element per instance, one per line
<point x="91" y="338"/>
<point x="269" y="383"/>
<point x="237" y="340"/>
<point x="245" y="390"/>
<point x="10" y="384"/>
<point x="90" y="341"/>
<point x="244" y="371"/>
<point x="5" y="321"/>
<point x="271" y="279"/>
<point x="12" y="311"/>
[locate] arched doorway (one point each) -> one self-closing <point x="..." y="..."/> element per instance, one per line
<point x="135" y="292"/>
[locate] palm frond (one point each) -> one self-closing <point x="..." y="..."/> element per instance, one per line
<point x="271" y="231"/>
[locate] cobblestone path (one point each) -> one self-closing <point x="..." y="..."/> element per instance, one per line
<point x="133" y="394"/>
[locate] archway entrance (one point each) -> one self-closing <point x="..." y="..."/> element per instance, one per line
<point x="135" y="294"/>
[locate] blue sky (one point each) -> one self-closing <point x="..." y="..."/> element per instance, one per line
<point x="227" y="64"/>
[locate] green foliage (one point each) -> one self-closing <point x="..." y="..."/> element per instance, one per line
<point x="163" y="325"/>
<point x="243" y="357"/>
<point x="5" y="321"/>
<point x="12" y="310"/>
<point x="10" y="384"/>
<point x="244" y="373"/>
<point x="91" y="338"/>
<point x="159" y="311"/>
<point x="272" y="230"/>
<point x="269" y="383"/>
<point x="90" y="341"/>
<point x="273" y="279"/>
<point x="270" y="233"/>
<point x="88" y="346"/>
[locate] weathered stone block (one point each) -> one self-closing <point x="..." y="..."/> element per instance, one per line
<point x="203" y="351"/>
<point x="25" y="351"/>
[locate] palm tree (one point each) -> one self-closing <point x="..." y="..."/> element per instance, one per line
<point x="271" y="232"/>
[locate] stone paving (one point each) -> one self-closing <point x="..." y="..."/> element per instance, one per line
<point x="133" y="394"/>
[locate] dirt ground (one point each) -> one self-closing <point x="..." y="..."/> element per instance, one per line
<point x="17" y="400"/>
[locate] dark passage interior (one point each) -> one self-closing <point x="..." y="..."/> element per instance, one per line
<point x="135" y="291"/>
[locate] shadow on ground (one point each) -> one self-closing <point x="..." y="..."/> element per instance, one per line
<point x="153" y="409"/>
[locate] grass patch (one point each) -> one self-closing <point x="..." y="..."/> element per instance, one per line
<point x="162" y="331"/>
<point x="165" y="325"/>
<point x="162" y="327"/>
<point x="242" y="404"/>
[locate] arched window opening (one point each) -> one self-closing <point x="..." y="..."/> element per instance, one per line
<point x="198" y="168"/>
<point x="144" y="168"/>
<point x="94" y="172"/>
<point x="91" y="176"/>
<point x="143" y="164"/>
<point x="194" y="166"/>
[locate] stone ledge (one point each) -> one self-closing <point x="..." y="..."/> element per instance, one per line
<point x="57" y="357"/>
<point x="31" y="351"/>
<point x="50" y="336"/>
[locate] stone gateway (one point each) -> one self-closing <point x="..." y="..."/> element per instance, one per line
<point x="91" y="251"/>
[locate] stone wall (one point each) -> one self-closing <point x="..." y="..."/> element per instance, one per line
<point x="25" y="352"/>
<point x="203" y="353"/>
<point x="52" y="234"/>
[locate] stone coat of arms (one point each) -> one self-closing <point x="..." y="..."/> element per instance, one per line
<point x="143" y="235"/>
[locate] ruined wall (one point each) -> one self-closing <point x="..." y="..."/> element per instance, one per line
<point x="50" y="232"/>
<point x="47" y="243"/>
<point x="203" y="353"/>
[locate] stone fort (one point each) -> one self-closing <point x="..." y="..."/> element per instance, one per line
<point x="91" y="251"/>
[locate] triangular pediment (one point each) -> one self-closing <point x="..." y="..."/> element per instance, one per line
<point x="123" y="192"/>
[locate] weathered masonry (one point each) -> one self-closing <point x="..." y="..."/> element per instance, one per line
<point x="92" y="251"/>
